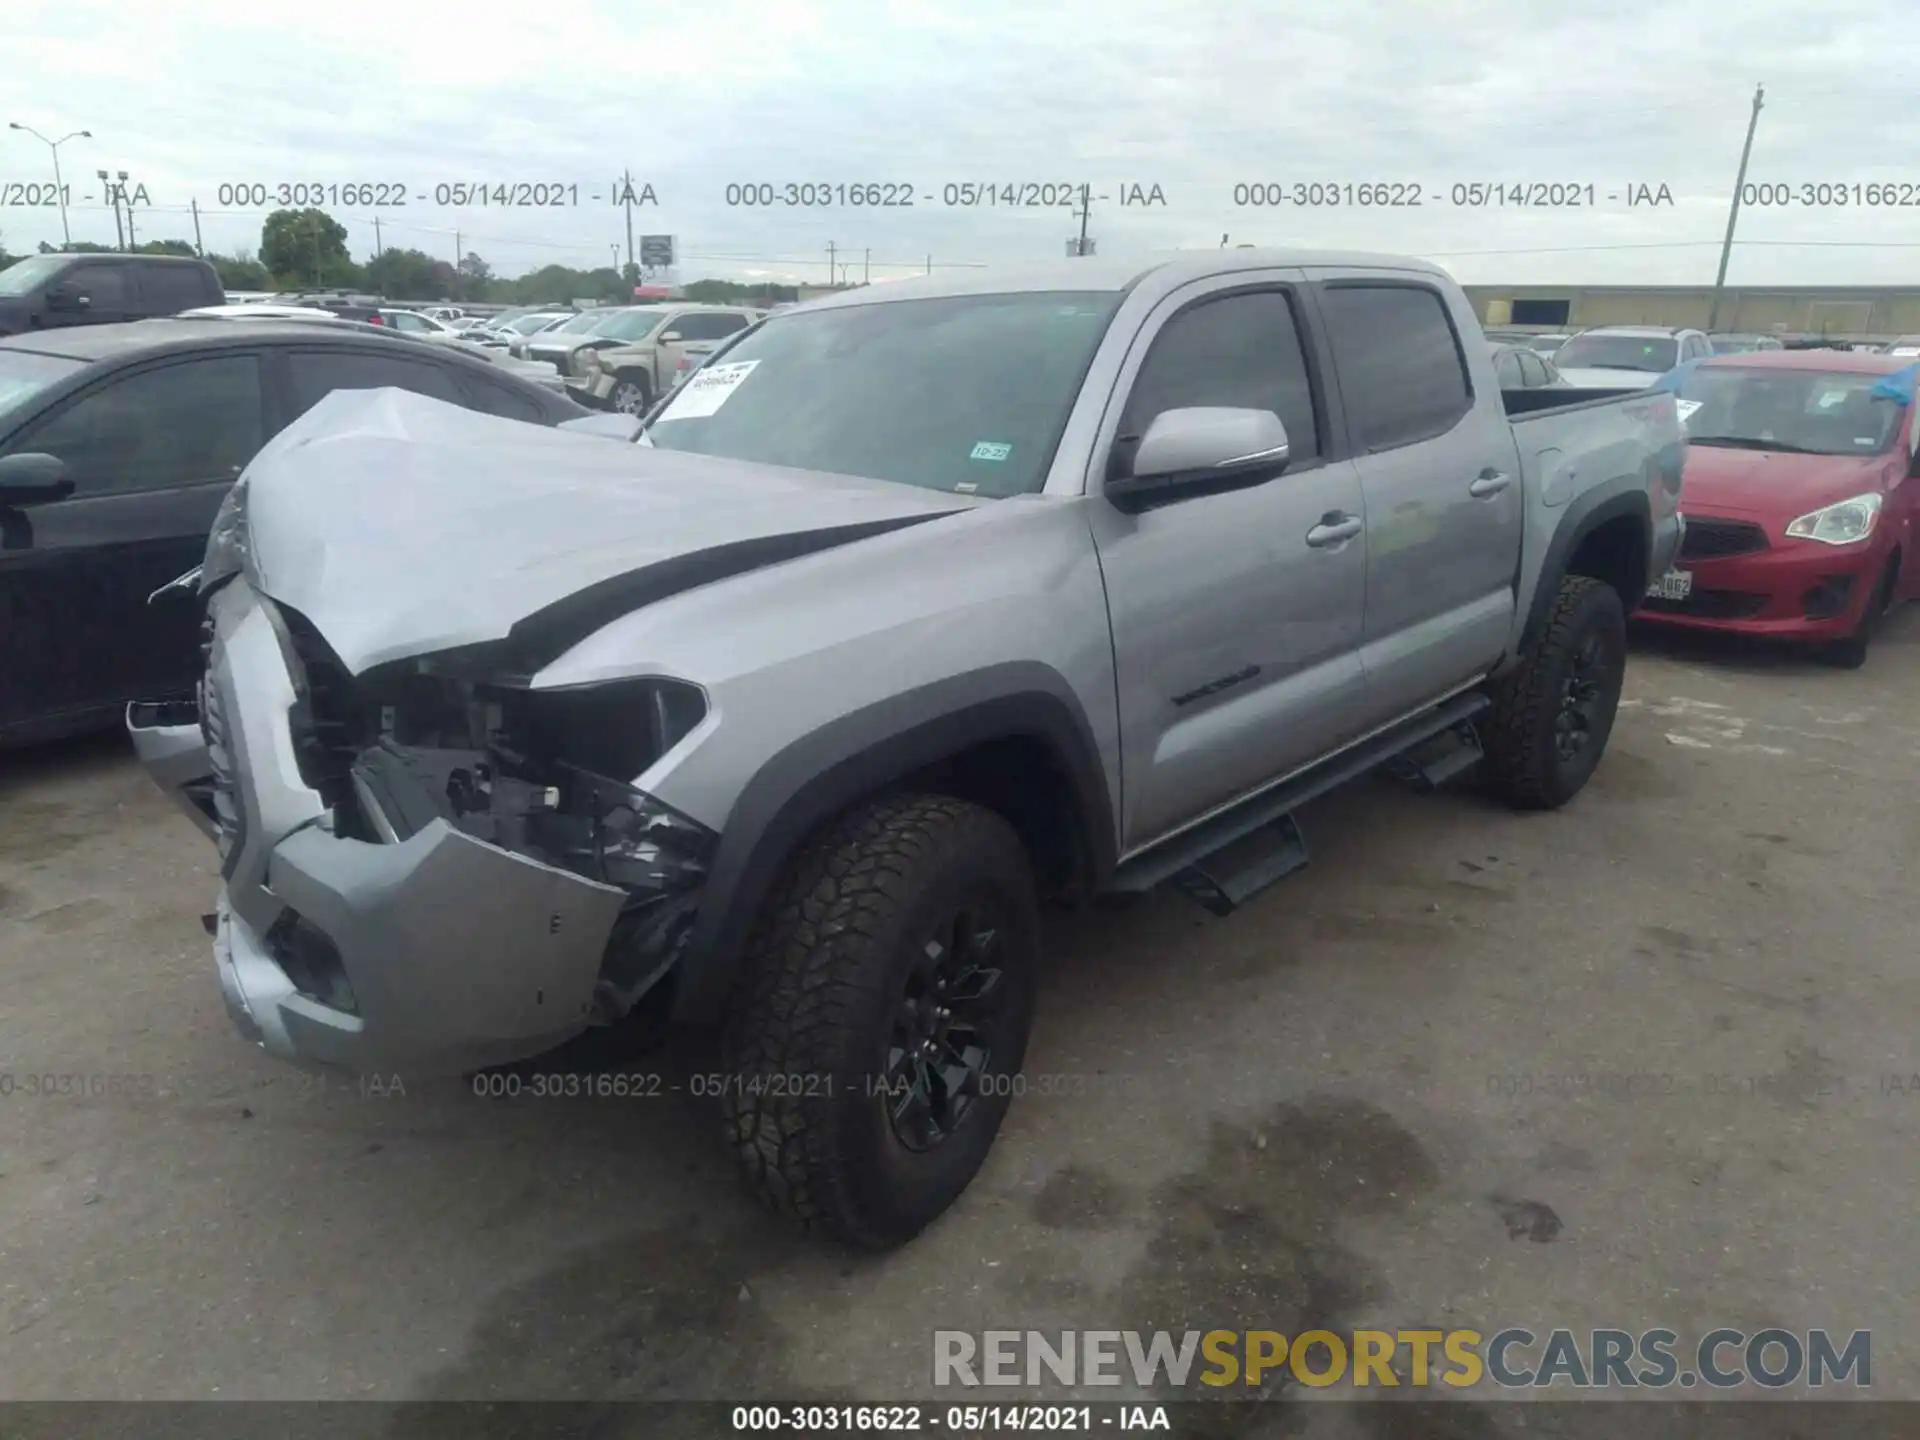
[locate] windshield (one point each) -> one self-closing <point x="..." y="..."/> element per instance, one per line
<point x="1812" y="412"/>
<point x="528" y="324"/>
<point x="967" y="393"/>
<point x="1654" y="354"/>
<point x="30" y="274"/>
<point x="582" y="323"/>
<point x="631" y="325"/>
<point x="1546" y="344"/>
<point x="23" y="374"/>
<point x="1735" y="344"/>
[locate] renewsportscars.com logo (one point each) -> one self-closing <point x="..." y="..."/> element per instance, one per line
<point x="1512" y="1358"/>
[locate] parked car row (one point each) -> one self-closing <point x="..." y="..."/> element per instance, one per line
<point x="117" y="445"/>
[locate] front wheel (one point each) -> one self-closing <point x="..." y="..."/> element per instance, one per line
<point x="630" y="397"/>
<point x="883" y="1011"/>
<point x="1851" y="653"/>
<point x="1552" y="715"/>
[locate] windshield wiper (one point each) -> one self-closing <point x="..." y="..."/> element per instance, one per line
<point x="1749" y="442"/>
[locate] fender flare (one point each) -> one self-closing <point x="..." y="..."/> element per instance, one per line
<point x="859" y="754"/>
<point x="1584" y="514"/>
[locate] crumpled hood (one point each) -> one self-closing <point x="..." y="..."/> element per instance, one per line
<point x="402" y="526"/>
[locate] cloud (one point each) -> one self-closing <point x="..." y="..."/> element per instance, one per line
<point x="919" y="95"/>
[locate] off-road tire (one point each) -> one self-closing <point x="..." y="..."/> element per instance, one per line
<point x="1851" y="653"/>
<point x="1523" y="766"/>
<point x="811" y="1014"/>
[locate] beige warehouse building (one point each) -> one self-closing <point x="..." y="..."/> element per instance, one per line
<point x="1840" y="311"/>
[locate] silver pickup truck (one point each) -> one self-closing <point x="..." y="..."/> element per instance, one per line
<point x="913" y="608"/>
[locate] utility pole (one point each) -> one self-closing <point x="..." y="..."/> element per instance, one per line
<point x="830" y="270"/>
<point x="626" y="198"/>
<point x="456" y="266"/>
<point x="106" y="184"/>
<point x="200" y="249"/>
<point x="866" y="271"/>
<point x="377" y="247"/>
<point x="1086" y="204"/>
<point x="929" y="264"/>
<point x="128" y="194"/>
<point x="313" y="227"/>
<point x="614" y="246"/>
<point x="1733" y="213"/>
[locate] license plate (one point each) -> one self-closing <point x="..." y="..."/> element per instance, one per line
<point x="1674" y="585"/>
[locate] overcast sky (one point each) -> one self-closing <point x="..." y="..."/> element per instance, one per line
<point x="1195" y="98"/>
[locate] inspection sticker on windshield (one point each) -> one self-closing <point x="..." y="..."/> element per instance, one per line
<point x="988" y="450"/>
<point x="1685" y="408"/>
<point x="708" y="390"/>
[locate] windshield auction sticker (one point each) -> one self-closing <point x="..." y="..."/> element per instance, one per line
<point x="708" y="390"/>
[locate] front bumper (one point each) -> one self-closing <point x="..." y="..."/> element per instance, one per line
<point x="595" y="389"/>
<point x="454" y="953"/>
<point x="1795" y="590"/>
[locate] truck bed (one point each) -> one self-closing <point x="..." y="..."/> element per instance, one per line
<point x="1524" y="405"/>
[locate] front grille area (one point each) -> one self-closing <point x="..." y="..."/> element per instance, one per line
<point x="1709" y="539"/>
<point x="327" y="719"/>
<point x="1710" y="605"/>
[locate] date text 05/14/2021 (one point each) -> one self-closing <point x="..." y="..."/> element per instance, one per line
<point x="395" y="194"/>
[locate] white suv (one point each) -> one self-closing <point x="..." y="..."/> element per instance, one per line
<point x="1619" y="357"/>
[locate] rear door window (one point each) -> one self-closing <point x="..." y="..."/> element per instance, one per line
<point x="170" y="288"/>
<point x="1402" y="373"/>
<point x="316" y="374"/>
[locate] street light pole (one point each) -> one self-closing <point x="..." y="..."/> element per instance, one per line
<point x="106" y="184"/>
<point x="59" y="185"/>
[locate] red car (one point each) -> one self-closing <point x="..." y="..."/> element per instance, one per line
<point x="1800" y="491"/>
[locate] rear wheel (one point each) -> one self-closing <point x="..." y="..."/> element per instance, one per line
<point x="630" y="397"/>
<point x="883" y="1012"/>
<point x="1553" y="714"/>
<point x="1851" y="653"/>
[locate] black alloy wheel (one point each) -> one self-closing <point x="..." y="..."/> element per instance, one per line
<point x="1583" y="692"/>
<point x="950" y="1012"/>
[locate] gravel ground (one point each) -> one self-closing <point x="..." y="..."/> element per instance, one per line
<point x="1646" y="1061"/>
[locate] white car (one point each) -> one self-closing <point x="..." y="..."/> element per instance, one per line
<point x="1627" y="357"/>
<point x="258" y="310"/>
<point x="1906" y="345"/>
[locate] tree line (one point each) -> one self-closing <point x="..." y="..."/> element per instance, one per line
<point x="307" y="250"/>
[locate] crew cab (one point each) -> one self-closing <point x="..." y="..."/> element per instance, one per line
<point x="51" y="292"/>
<point x="913" y="608"/>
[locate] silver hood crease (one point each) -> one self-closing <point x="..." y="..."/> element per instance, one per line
<point x="402" y="526"/>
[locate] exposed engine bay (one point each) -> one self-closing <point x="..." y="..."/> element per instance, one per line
<point x="535" y="772"/>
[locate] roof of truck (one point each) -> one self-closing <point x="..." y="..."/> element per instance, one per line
<point x="1093" y="273"/>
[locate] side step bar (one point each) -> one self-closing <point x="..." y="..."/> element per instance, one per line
<point x="1232" y="857"/>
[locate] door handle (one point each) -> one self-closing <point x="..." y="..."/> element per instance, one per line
<point x="1488" y="482"/>
<point x="1333" y="529"/>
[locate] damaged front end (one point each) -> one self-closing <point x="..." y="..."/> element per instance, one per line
<point x="533" y="772"/>
<point x="432" y="866"/>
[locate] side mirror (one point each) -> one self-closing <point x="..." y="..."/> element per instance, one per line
<point x="66" y="296"/>
<point x="670" y="337"/>
<point x="33" y="479"/>
<point x="1198" y="448"/>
